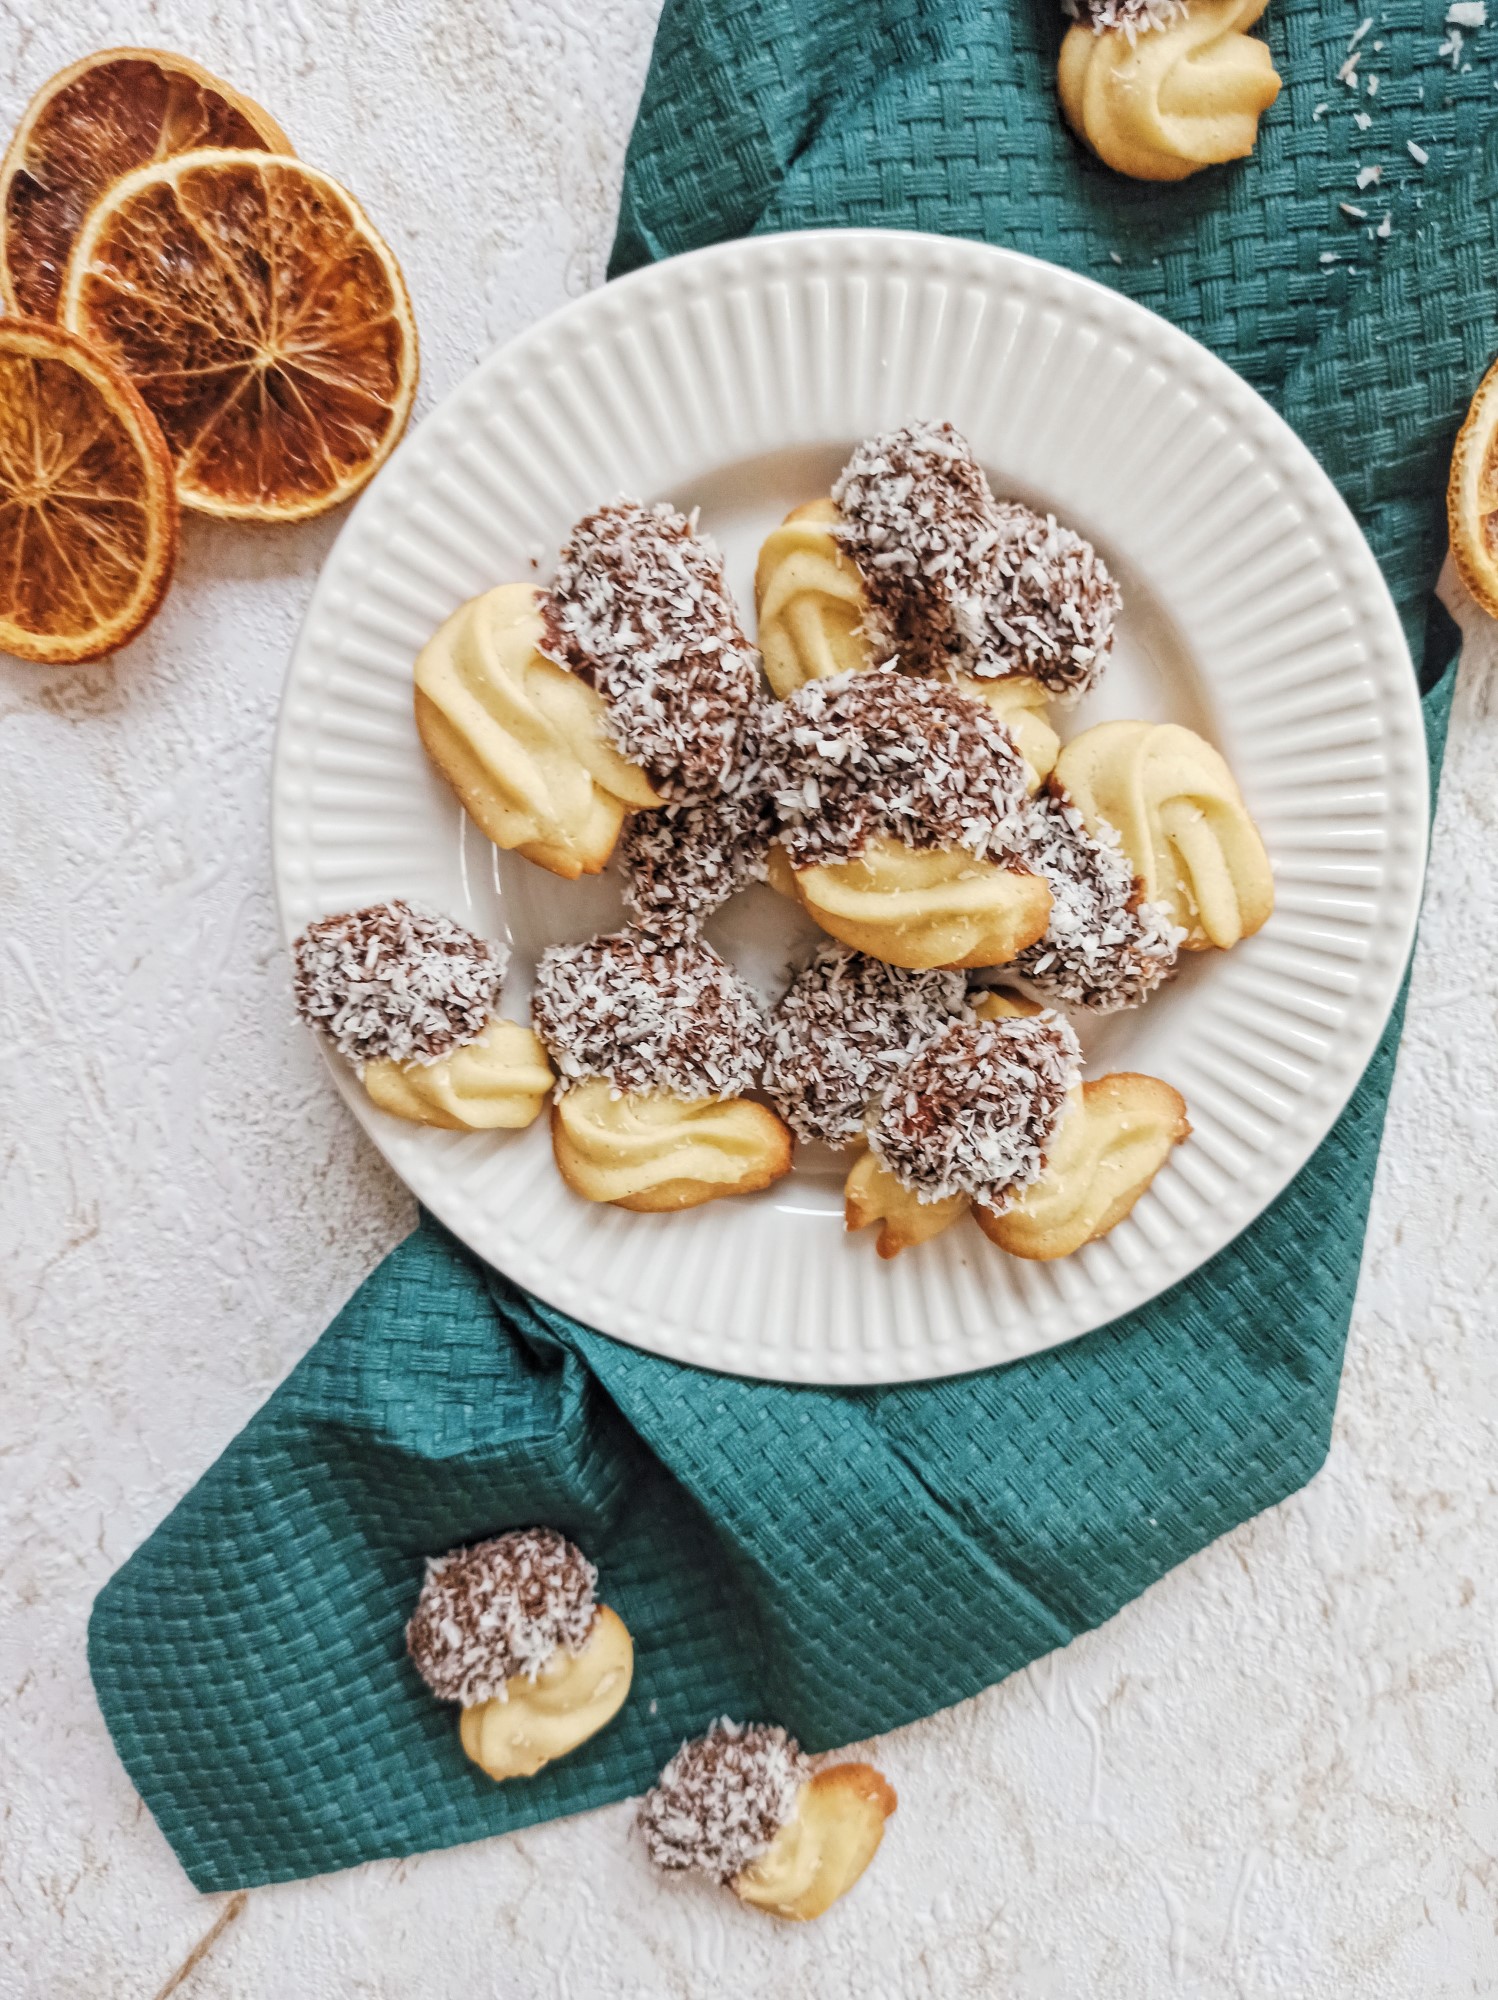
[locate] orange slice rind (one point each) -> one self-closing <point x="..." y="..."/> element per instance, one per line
<point x="263" y="319"/>
<point x="1472" y="496"/>
<point x="88" y="511"/>
<point x="88" y="125"/>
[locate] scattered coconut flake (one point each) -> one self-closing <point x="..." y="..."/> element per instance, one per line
<point x="1320" y="111"/>
<point x="1385" y="229"/>
<point x="1369" y="177"/>
<point x="640" y="610"/>
<point x="1417" y="153"/>
<point x="393" y="983"/>
<point x="1115" y="257"/>
<point x="1467" y="14"/>
<point x="1357" y="214"/>
<point x="977" y="1109"/>
<point x="1362" y="120"/>
<point x="1105" y="947"/>
<point x="1373" y="86"/>
<point x="498" y="1609"/>
<point x="721" y="1800"/>
<point x="1329" y="257"/>
<point x="649" y="1016"/>
<point x="881" y="752"/>
<point x="1452" y="46"/>
<point x="845" y="1026"/>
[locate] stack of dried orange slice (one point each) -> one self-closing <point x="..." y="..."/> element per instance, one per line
<point x="195" y="318"/>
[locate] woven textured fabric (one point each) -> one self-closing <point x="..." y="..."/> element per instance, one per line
<point x="837" y="1561"/>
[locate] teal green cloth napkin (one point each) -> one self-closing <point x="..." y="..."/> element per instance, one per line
<point x="838" y="1561"/>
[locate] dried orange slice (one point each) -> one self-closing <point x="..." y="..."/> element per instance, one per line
<point x="105" y="116"/>
<point x="264" y="320"/>
<point x="88" y="514"/>
<point x="1472" y="496"/>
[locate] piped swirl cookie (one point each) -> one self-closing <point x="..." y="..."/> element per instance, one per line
<point x="1182" y="822"/>
<point x="745" y="1807"/>
<point x="410" y="1000"/>
<point x="624" y="686"/>
<point x="641" y="611"/>
<point x="976" y="1111"/>
<point x="955" y="578"/>
<point x="525" y="744"/>
<point x="510" y="1630"/>
<point x="656" y="1044"/>
<point x="1114" y="1138"/>
<point x="898" y="804"/>
<point x="1087" y="1152"/>
<point x="1161" y="105"/>
<point x="812" y="612"/>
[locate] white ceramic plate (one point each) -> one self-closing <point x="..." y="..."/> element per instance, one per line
<point x="736" y="380"/>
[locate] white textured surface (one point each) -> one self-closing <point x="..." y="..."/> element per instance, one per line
<point x="1273" y="1778"/>
<point x="734" y="382"/>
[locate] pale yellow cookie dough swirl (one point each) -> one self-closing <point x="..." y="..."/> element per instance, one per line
<point x="832" y="1835"/>
<point x="920" y="907"/>
<point x="1022" y="705"/>
<point x="659" y="1153"/>
<point x="1166" y="102"/>
<point x="1116" y="1135"/>
<point x="536" y="1720"/>
<point x="1182" y="821"/>
<point x="497" y="1083"/>
<point x="811" y="602"/>
<point x="522" y="741"/>
<point x="812" y="605"/>
<point x="872" y="1194"/>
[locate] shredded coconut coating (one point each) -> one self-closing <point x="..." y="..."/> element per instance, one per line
<point x="650" y="1016"/>
<point x="1106" y="947"/>
<point x="684" y="862"/>
<point x="392" y="983"/>
<point x="918" y="521"/>
<point x="1051" y="605"/>
<point x="958" y="580"/>
<point x="845" y="1027"/>
<point x="1133" y="17"/>
<point x="862" y="754"/>
<point x="722" y="1799"/>
<point x="641" y="611"/>
<point x="977" y="1109"/>
<point x="498" y="1609"/>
